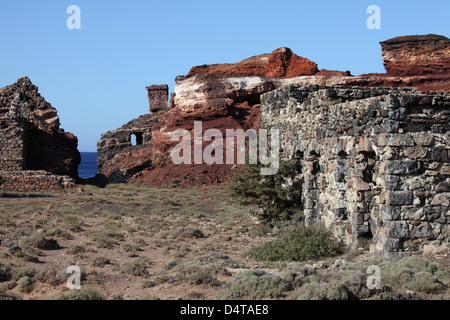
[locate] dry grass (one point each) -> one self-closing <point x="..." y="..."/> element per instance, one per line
<point x="136" y="242"/>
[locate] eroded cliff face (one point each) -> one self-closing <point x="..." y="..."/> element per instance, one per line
<point x="281" y="63"/>
<point x="45" y="145"/>
<point x="227" y="96"/>
<point x="417" y="55"/>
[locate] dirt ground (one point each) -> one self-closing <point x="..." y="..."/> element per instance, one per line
<point x="134" y="242"/>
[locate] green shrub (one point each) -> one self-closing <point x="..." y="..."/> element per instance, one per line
<point x="255" y="284"/>
<point x="136" y="268"/>
<point x="22" y="272"/>
<point x="84" y="294"/>
<point x="299" y="244"/>
<point x="148" y="284"/>
<point x="100" y="261"/>
<point x="73" y="222"/>
<point x="278" y="196"/>
<point x="204" y="276"/>
<point x="321" y="291"/>
<point x="39" y="242"/>
<point x="204" y="268"/>
<point x="24" y="283"/>
<point x="417" y="274"/>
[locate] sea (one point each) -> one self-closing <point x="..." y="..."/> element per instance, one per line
<point x="88" y="166"/>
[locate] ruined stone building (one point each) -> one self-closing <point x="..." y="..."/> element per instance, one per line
<point x="35" y="154"/>
<point x="117" y="157"/>
<point x="375" y="161"/>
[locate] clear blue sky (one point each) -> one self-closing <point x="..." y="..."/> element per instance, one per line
<point x="96" y="76"/>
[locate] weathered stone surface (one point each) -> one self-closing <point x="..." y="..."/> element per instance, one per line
<point x="30" y="136"/>
<point x="445" y="170"/>
<point x="416" y="55"/>
<point x="32" y="181"/>
<point x="399" y="198"/>
<point x="281" y="63"/>
<point x="400" y="167"/>
<point x="158" y="96"/>
<point x="116" y="152"/>
<point x="388" y="184"/>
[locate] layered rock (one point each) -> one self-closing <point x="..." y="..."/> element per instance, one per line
<point x="416" y="55"/>
<point x="31" y="137"/>
<point x="375" y="161"/>
<point x="282" y="63"/>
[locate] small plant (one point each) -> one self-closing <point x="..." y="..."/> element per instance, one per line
<point x="76" y="250"/>
<point x="417" y="274"/>
<point x="100" y="262"/>
<point x="130" y="248"/>
<point x="204" y="276"/>
<point x="57" y="233"/>
<point x="84" y="294"/>
<point x="148" y="284"/>
<point x="22" y="272"/>
<point x="255" y="284"/>
<point x="73" y="222"/>
<point x="40" y="242"/>
<point x="298" y="244"/>
<point x="321" y="291"/>
<point x="136" y="268"/>
<point x="188" y="232"/>
<point x="24" y="284"/>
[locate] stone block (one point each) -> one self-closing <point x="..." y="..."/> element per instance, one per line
<point x="400" y="167"/>
<point x="399" y="198"/>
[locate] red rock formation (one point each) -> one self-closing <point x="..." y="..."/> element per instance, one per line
<point x="281" y="63"/>
<point x="416" y="55"/>
<point x="325" y="72"/>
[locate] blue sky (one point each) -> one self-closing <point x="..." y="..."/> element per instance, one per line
<point x="96" y="76"/>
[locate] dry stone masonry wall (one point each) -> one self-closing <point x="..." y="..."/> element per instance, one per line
<point x="375" y="161"/>
<point x="35" y="154"/>
<point x="11" y="139"/>
<point x="33" y="181"/>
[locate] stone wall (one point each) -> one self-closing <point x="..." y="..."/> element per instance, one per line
<point x="32" y="181"/>
<point x="375" y="161"/>
<point x="158" y="96"/>
<point x="115" y="142"/>
<point x="41" y="143"/>
<point x="33" y="149"/>
<point x="11" y="142"/>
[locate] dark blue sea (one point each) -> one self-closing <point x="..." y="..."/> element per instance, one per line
<point x="88" y="165"/>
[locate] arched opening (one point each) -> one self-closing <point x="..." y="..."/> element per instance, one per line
<point x="136" y="139"/>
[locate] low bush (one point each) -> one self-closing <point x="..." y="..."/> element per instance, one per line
<point x="84" y="294"/>
<point x="300" y="243"/>
<point x="255" y="284"/>
<point x="136" y="268"/>
<point x="417" y="274"/>
<point x="100" y="261"/>
<point x="24" y="284"/>
<point x="321" y="291"/>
